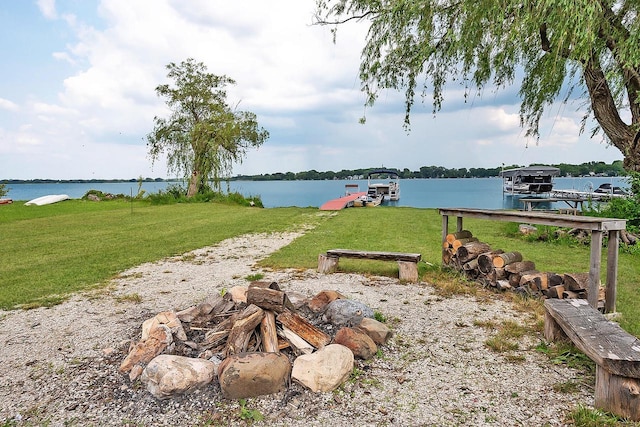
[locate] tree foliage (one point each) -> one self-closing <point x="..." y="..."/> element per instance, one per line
<point x="565" y="48"/>
<point x="203" y="136"/>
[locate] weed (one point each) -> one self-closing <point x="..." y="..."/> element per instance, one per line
<point x="515" y="358"/>
<point x="379" y="317"/>
<point x="563" y="353"/>
<point x="247" y="414"/>
<point x="589" y="417"/>
<point x="254" y="277"/>
<point x="486" y="324"/>
<point x="567" y="387"/>
<point x="355" y="375"/>
<point x="500" y="344"/>
<point x="134" y="298"/>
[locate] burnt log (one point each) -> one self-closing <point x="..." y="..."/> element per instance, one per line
<point x="269" y="299"/>
<point x="243" y="328"/>
<point x="269" y="333"/>
<point x="305" y="330"/>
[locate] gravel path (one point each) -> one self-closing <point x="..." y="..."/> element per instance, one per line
<point x="58" y="366"/>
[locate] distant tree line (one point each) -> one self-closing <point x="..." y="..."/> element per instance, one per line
<point x="80" y="181"/>
<point x="597" y="168"/>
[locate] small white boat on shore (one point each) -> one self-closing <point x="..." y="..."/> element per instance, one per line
<point x="47" y="200"/>
<point x="387" y="191"/>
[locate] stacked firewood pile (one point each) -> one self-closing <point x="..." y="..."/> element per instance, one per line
<point x="504" y="271"/>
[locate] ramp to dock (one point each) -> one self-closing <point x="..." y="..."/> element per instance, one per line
<point x="342" y="202"/>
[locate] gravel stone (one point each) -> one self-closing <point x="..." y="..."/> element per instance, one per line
<point x="59" y="365"/>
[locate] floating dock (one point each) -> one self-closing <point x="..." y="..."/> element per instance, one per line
<point x="342" y="202"/>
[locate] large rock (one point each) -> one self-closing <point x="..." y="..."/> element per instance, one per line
<point x="377" y="331"/>
<point x="346" y="312"/>
<point x="325" y="369"/>
<point x="320" y="302"/>
<point x="238" y="294"/>
<point x="245" y="375"/>
<point x="168" y="375"/>
<point x="357" y="341"/>
<point x="158" y="339"/>
<point x="168" y="318"/>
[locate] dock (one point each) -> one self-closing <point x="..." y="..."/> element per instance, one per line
<point x="342" y="202"/>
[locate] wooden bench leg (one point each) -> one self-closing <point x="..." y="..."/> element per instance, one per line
<point x="408" y="271"/>
<point x="618" y="395"/>
<point x="552" y="330"/>
<point x="327" y="264"/>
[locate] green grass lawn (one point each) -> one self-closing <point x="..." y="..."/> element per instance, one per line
<point x="49" y="252"/>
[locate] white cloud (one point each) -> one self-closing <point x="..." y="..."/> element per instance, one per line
<point x="5" y="104"/>
<point x="304" y="89"/>
<point x="48" y="8"/>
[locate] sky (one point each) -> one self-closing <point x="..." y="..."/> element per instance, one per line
<point x="78" y="79"/>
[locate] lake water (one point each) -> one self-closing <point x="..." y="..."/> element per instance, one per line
<point x="481" y="193"/>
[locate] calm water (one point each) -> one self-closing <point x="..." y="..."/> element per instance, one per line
<point x="482" y="193"/>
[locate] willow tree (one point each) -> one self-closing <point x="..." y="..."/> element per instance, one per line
<point x="564" y="49"/>
<point x="203" y="136"/>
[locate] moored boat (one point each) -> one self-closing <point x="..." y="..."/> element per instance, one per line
<point x="390" y="191"/>
<point x="367" y="201"/>
<point x="528" y="180"/>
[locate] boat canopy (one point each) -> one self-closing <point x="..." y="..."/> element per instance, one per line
<point x="381" y="171"/>
<point x="530" y="171"/>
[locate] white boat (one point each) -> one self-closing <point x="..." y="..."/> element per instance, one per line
<point x="390" y="191"/>
<point x="367" y="201"/>
<point x="529" y="180"/>
<point x="47" y="200"/>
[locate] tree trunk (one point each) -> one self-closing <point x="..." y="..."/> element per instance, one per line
<point x="606" y="113"/>
<point x="193" y="184"/>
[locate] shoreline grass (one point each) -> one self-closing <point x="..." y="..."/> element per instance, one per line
<point x="50" y="252"/>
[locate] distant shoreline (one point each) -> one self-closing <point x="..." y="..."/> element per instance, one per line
<point x="599" y="169"/>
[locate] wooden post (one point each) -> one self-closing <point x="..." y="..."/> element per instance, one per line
<point x="617" y="394"/>
<point x="327" y="264"/>
<point x="408" y="271"/>
<point x="459" y="224"/>
<point x="612" y="272"/>
<point x="445" y="231"/>
<point x="594" y="268"/>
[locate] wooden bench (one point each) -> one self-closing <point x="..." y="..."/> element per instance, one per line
<point x="615" y="352"/>
<point x="407" y="263"/>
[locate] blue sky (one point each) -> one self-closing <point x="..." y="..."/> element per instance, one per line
<point x="77" y="94"/>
